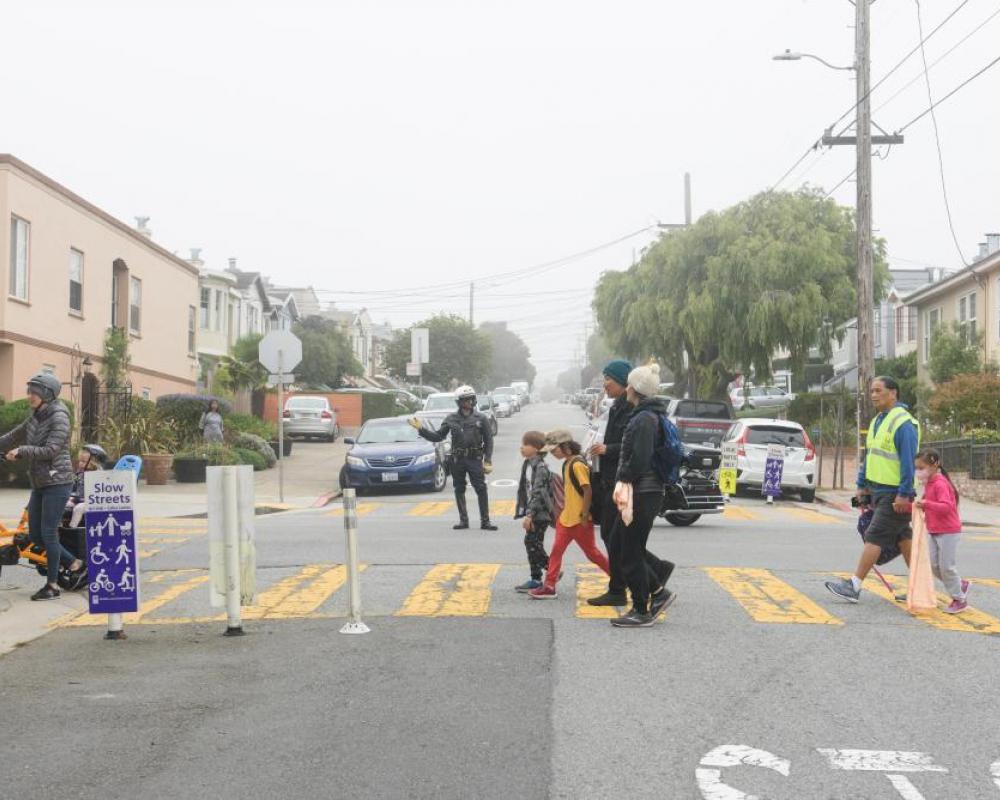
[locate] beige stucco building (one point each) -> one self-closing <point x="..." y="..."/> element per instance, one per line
<point x="970" y="298"/>
<point x="71" y="271"/>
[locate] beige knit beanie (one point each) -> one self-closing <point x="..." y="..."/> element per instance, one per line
<point x="645" y="380"/>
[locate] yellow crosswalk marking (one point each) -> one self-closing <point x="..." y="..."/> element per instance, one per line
<point x="982" y="538"/>
<point x="325" y="581"/>
<point x="431" y="508"/>
<point x="812" y="517"/>
<point x="767" y="599"/>
<point x="168" y="595"/>
<point x="452" y="590"/>
<point x="969" y="621"/>
<point x="274" y="596"/>
<point x="590" y="582"/>
<point x="502" y="508"/>
<point x="363" y="509"/>
<point x="738" y="512"/>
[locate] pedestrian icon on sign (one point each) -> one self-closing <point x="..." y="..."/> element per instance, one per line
<point x="123" y="551"/>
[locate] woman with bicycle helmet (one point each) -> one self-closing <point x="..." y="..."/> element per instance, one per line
<point x="43" y="441"/>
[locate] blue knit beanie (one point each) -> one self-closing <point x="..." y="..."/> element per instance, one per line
<point x="618" y="371"/>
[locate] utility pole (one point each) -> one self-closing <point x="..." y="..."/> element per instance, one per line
<point x="687" y="198"/>
<point x="866" y="301"/>
<point x="472" y="291"/>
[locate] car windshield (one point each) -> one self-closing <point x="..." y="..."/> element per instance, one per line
<point x="501" y="398"/>
<point x="768" y="434"/>
<point x="505" y="390"/>
<point x="702" y="409"/>
<point x="308" y="403"/>
<point x="484" y="405"/>
<point x="439" y="403"/>
<point x="387" y="433"/>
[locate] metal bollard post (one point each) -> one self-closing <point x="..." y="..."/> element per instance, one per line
<point x="354" y="623"/>
<point x="116" y="628"/>
<point x="234" y="621"/>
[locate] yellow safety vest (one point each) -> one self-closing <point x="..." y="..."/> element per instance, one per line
<point x="881" y="457"/>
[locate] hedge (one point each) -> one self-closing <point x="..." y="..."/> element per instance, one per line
<point x="186" y="410"/>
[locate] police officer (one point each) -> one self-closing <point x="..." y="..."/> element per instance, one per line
<point x="471" y="453"/>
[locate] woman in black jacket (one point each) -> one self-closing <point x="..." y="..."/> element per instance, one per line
<point x="43" y="441"/>
<point x="642" y="435"/>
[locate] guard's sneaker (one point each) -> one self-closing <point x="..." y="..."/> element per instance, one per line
<point x="45" y="593"/>
<point x="844" y="589"/>
<point x="543" y="593"/>
<point x="660" y="601"/>
<point x="608" y="599"/>
<point x="633" y="619"/>
<point x="957" y="606"/>
<point x="528" y="585"/>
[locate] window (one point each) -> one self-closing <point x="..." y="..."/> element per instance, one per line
<point x="206" y="301"/>
<point x="967" y="316"/>
<point x="192" y="318"/>
<point x="932" y="318"/>
<point x="19" y="232"/>
<point x="147" y="393"/>
<point x="878" y="327"/>
<point x="218" y="310"/>
<point x="115" y="321"/>
<point x="135" y="305"/>
<point x="75" y="281"/>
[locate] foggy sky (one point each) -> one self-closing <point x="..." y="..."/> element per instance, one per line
<point x="387" y="153"/>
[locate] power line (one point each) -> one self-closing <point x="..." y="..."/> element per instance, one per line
<point x="937" y="136"/>
<point x="963" y="84"/>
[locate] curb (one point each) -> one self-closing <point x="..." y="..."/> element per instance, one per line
<point x="825" y="501"/>
<point x="326" y="499"/>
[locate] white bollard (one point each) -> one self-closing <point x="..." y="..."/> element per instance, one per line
<point x="231" y="517"/>
<point x="116" y="627"/>
<point x="354" y="623"/>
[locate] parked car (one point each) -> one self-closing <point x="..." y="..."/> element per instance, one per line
<point x="510" y="392"/>
<point x="488" y="406"/>
<point x="388" y="452"/>
<point x="754" y="434"/>
<point x="408" y="400"/>
<point x="700" y="422"/>
<point x="761" y="397"/>
<point x="310" y="416"/>
<point x="505" y="404"/>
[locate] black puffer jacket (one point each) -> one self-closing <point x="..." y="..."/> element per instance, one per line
<point x="618" y="417"/>
<point x="642" y="434"/>
<point x="43" y="440"/>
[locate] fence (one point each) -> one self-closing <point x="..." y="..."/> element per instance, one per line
<point x="981" y="461"/>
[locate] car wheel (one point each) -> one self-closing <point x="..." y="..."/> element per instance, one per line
<point x="495" y="427"/>
<point x="683" y="520"/>
<point x="344" y="484"/>
<point x="440" y="478"/>
<point x="808" y="495"/>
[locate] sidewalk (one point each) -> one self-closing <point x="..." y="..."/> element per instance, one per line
<point x="976" y="515"/>
<point x="311" y="477"/>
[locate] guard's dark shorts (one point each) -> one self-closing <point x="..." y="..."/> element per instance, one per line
<point x="887" y="527"/>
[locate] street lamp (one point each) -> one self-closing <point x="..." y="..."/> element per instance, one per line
<point x="790" y="55"/>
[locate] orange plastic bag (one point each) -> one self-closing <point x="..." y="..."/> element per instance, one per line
<point x="920" y="588"/>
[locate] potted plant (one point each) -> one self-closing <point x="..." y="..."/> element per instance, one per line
<point x="190" y="465"/>
<point x="149" y="435"/>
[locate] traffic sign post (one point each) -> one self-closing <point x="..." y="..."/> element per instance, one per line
<point x="420" y="352"/>
<point x="773" y="469"/>
<point x="112" y="555"/>
<point x="727" y="470"/>
<point x="278" y="351"/>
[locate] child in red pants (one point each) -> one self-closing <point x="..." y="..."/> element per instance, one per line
<point x="574" y="523"/>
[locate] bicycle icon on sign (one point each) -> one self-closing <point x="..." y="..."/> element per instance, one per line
<point x="102" y="583"/>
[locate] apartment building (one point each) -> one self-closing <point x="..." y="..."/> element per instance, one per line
<point x="71" y="272"/>
<point x="969" y="298"/>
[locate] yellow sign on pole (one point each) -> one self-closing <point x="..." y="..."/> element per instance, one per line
<point x="727" y="474"/>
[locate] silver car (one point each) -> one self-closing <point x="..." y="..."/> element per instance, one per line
<point x="308" y="416"/>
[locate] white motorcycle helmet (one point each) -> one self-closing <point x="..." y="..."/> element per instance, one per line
<point x="465" y="393"/>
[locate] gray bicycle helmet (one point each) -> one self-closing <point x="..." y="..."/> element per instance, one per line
<point x="46" y="385"/>
<point x="97" y="452"/>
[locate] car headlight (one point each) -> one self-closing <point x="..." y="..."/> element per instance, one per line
<point x="426" y="458"/>
<point x="354" y="461"/>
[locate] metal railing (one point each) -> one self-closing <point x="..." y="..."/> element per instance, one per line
<point x="981" y="461"/>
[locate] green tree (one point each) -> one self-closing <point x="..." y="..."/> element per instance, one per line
<point x="510" y="356"/>
<point x="242" y="370"/>
<point x="774" y="272"/>
<point x="904" y="370"/>
<point x="953" y="353"/>
<point x="327" y="357"/>
<point x="458" y="352"/>
<point x="116" y="360"/>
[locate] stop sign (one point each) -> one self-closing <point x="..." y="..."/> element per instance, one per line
<point x="284" y="342"/>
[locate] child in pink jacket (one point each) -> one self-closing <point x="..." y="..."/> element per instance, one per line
<point x="940" y="507"/>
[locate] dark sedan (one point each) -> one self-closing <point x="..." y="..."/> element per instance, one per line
<point x="388" y="453"/>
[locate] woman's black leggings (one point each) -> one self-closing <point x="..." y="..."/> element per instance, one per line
<point x="631" y="545"/>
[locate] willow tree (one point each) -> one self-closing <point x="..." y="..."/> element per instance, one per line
<point x="774" y="273"/>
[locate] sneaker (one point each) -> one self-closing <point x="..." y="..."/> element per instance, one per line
<point x="45" y="593"/>
<point x="461" y="526"/>
<point x="78" y="578"/>
<point x="488" y="526"/>
<point x="543" y="593"/>
<point x="965" y="588"/>
<point x="660" y="602"/>
<point x="633" y="619"/>
<point x="528" y="585"/>
<point x="608" y="599"/>
<point x="957" y="606"/>
<point x="844" y="589"/>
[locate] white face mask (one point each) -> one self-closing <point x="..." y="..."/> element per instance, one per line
<point x="923" y="475"/>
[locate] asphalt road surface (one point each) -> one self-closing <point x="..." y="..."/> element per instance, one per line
<point x="757" y="683"/>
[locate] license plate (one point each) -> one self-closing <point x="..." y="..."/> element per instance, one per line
<point x="390" y="477"/>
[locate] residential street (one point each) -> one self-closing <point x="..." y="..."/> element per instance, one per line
<point x="466" y="689"/>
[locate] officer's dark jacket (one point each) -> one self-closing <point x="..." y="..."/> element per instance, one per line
<point x="468" y="432"/>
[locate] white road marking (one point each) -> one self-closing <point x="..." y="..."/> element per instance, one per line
<point x="906" y="789"/>
<point x="731" y="755"/>
<point x="995" y="772"/>
<point x="881" y="760"/>
<point x="503" y="483"/>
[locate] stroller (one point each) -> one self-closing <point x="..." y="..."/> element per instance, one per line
<point x="74" y="539"/>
